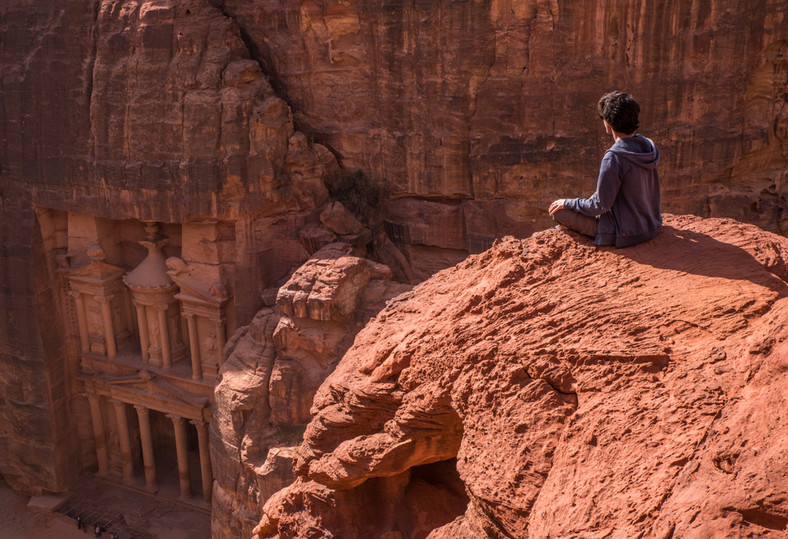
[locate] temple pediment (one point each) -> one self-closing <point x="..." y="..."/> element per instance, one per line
<point x="151" y="391"/>
<point x="196" y="292"/>
<point x="95" y="272"/>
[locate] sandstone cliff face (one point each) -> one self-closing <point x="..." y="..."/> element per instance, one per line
<point x="115" y="113"/>
<point x="577" y="392"/>
<point x="490" y="106"/>
<point x="206" y="113"/>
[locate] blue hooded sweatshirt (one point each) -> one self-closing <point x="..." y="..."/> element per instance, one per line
<point x="627" y="194"/>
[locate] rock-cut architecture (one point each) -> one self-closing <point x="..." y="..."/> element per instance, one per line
<point x="149" y="351"/>
<point x="183" y="262"/>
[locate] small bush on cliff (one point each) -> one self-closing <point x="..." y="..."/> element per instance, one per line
<point x="359" y="194"/>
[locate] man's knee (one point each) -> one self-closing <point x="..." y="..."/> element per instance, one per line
<point x="563" y="217"/>
<point x="576" y="221"/>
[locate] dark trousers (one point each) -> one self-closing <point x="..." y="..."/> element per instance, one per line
<point x="578" y="222"/>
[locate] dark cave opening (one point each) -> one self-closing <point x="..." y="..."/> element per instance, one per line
<point x="417" y="501"/>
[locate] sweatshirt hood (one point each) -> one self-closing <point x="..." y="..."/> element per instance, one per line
<point x="638" y="150"/>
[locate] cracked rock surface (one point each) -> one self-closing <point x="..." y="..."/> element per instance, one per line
<point x="550" y="388"/>
<point x="272" y="370"/>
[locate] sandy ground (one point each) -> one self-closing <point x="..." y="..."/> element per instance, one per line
<point x="134" y="516"/>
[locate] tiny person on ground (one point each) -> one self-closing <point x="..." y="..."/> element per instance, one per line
<point x="624" y="210"/>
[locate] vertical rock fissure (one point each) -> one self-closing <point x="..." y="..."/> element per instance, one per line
<point x="89" y="65"/>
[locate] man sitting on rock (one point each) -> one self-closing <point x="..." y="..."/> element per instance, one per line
<point x="624" y="210"/>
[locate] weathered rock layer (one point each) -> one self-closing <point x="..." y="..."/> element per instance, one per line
<point x="583" y="391"/>
<point x="272" y="371"/>
<point x="116" y="113"/>
<point x="488" y="107"/>
<point x="232" y="117"/>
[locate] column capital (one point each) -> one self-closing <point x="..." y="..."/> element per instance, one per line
<point x="93" y="398"/>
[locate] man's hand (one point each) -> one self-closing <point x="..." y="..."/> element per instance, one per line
<point x="557" y="205"/>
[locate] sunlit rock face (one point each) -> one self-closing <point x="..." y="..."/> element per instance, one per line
<point x="550" y="388"/>
<point x="225" y="123"/>
<point x="490" y="106"/>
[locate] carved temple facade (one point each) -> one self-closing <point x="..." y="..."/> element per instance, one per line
<point x="150" y="335"/>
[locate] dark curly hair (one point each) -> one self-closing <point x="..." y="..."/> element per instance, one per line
<point x="620" y="110"/>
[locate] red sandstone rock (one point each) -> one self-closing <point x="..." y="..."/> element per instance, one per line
<point x="328" y="286"/>
<point x="174" y="110"/>
<point x="118" y="112"/>
<point x="272" y="370"/>
<point x="583" y="391"/>
<point x="340" y="221"/>
<point x="489" y="106"/>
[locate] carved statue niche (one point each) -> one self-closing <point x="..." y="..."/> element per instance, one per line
<point x="160" y="332"/>
<point x="102" y="303"/>
<point x="202" y="303"/>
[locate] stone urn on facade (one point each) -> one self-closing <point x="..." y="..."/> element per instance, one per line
<point x="158" y="313"/>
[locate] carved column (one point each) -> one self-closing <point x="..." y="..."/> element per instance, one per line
<point x="194" y="344"/>
<point x="202" y="297"/>
<point x="125" y="440"/>
<point x="95" y="288"/>
<point x="128" y="309"/>
<point x="220" y="339"/>
<point x="164" y="332"/>
<point x="205" y="460"/>
<point x="109" y="330"/>
<point x="182" y="450"/>
<point x="142" y="324"/>
<point x="99" y="434"/>
<point x="82" y="321"/>
<point x="146" y="439"/>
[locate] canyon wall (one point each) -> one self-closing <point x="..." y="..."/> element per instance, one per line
<point x="117" y="114"/>
<point x="488" y="107"/>
<point x="234" y="119"/>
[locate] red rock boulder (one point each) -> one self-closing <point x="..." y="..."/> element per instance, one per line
<point x="551" y="388"/>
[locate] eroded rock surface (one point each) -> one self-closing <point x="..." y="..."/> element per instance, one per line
<point x="564" y="390"/>
<point x="155" y="111"/>
<point x="487" y="108"/>
<point x="210" y="114"/>
<point x="272" y="371"/>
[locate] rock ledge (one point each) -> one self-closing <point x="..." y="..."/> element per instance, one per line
<point x="548" y="388"/>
